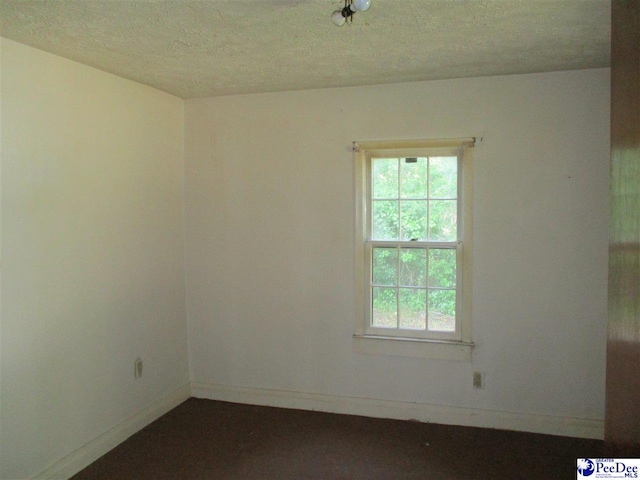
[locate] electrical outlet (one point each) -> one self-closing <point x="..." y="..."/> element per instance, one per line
<point x="478" y="380"/>
<point x="137" y="368"/>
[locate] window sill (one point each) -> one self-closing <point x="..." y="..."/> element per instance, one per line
<point x="411" y="347"/>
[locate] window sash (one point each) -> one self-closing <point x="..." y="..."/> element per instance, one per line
<point x="370" y="329"/>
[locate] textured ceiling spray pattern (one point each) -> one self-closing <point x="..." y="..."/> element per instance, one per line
<point x="221" y="47"/>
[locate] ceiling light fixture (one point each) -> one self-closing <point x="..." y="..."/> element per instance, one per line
<point x="340" y="17"/>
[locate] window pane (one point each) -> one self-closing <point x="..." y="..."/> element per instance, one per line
<point x="385" y="178"/>
<point x="443" y="177"/>
<point x="385" y="266"/>
<point x="442" y="310"/>
<point x="443" y="220"/>
<point x="413" y="308"/>
<point x="442" y="267"/>
<point x="413" y="267"/>
<point x="385" y="220"/>
<point x="413" y="219"/>
<point x="413" y="177"/>
<point x="385" y="308"/>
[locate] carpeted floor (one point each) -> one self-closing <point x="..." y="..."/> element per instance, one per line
<point x="205" y="439"/>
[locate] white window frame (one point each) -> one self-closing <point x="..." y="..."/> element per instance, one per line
<point x="455" y="345"/>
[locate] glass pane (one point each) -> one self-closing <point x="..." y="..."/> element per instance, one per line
<point x="413" y="218"/>
<point x="385" y="177"/>
<point x="413" y="267"/>
<point x="442" y="310"/>
<point x="413" y="177"/>
<point x="385" y="266"/>
<point x="385" y="308"/>
<point x="385" y="220"/>
<point x="442" y="267"/>
<point x="443" y="220"/>
<point x="413" y="308"/>
<point x="443" y="177"/>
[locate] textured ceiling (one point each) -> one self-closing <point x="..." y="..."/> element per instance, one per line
<point x="221" y="47"/>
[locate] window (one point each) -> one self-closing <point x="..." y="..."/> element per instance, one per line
<point x="414" y="239"/>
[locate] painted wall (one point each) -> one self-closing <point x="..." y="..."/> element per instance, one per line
<point x="270" y="242"/>
<point x="92" y="254"/>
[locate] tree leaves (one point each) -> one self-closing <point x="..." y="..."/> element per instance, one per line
<point x="414" y="287"/>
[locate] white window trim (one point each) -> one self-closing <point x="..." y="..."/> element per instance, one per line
<point x="365" y="340"/>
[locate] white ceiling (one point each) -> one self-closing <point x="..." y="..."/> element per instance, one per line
<point x="219" y="47"/>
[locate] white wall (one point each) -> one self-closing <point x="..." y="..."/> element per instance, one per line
<point x="92" y="253"/>
<point x="269" y="234"/>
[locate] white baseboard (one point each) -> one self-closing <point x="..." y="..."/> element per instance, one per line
<point x="442" y="414"/>
<point x="90" y="452"/>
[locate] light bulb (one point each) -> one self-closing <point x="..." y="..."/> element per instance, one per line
<point x="337" y="18"/>
<point x="360" y="5"/>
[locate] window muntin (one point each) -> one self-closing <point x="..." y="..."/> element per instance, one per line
<point x="413" y="242"/>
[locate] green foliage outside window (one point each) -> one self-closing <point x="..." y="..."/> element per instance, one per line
<point x="414" y="200"/>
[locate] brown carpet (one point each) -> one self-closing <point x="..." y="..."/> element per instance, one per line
<point x="205" y="439"/>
